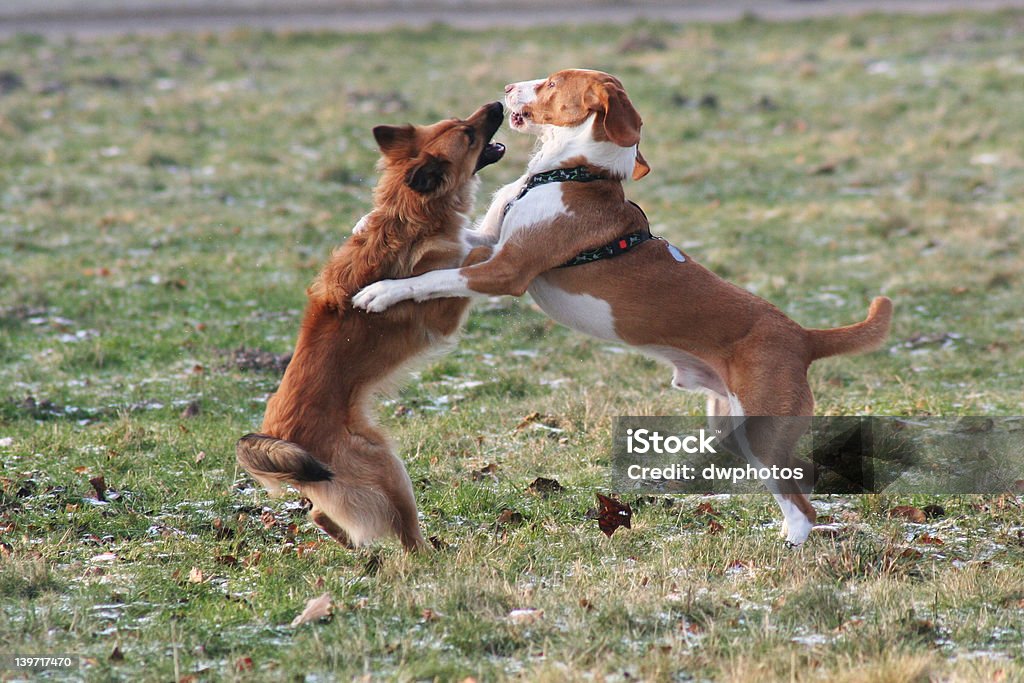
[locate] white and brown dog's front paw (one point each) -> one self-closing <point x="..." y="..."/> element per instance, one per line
<point x="360" y="226"/>
<point x="380" y="296"/>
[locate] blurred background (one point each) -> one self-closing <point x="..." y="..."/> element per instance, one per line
<point x="104" y="17"/>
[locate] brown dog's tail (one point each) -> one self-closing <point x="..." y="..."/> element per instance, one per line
<point x="274" y="462"/>
<point x="863" y="336"/>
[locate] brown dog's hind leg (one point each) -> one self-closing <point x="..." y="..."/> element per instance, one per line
<point x="405" y="520"/>
<point x="321" y="519"/>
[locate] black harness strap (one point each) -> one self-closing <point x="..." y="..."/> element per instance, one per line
<point x="617" y="246"/>
<point x="580" y="174"/>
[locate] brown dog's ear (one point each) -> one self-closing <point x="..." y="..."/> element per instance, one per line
<point x="640" y="167"/>
<point x="428" y="175"/>
<point x="621" y="121"/>
<point x="394" y="140"/>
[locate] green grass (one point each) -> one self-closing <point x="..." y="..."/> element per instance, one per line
<point x="165" y="201"/>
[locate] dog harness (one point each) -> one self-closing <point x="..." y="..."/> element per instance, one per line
<point x="580" y="174"/>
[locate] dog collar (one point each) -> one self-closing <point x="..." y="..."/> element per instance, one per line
<point x="576" y="174"/>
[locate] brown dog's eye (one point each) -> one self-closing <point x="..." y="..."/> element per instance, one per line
<point x="470" y="135"/>
<point x="551" y="84"/>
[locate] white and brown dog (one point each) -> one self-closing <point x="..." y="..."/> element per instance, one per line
<point x="569" y="208"/>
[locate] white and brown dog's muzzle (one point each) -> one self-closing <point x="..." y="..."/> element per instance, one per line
<point x="517" y="98"/>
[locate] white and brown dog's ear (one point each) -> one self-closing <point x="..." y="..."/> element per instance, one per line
<point x="640" y="166"/>
<point x="395" y="141"/>
<point x="619" y="120"/>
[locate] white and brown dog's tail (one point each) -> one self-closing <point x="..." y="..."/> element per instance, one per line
<point x="863" y="336"/>
<point x="273" y="462"/>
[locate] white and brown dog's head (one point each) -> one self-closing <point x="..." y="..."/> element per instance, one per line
<point x="579" y="113"/>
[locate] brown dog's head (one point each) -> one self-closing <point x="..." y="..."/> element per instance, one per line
<point x="439" y="161"/>
<point x="567" y="98"/>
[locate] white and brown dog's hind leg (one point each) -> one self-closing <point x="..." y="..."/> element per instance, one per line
<point x="767" y="441"/>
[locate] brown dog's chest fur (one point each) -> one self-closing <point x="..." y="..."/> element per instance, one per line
<point x="344" y="355"/>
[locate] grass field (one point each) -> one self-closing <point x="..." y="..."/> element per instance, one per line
<point x="165" y="202"/>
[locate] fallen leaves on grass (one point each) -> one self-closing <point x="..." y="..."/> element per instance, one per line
<point x="539" y="421"/>
<point x="191" y="410"/>
<point x="99" y="485"/>
<point x="316" y="609"/>
<point x="612" y="514"/>
<point x="705" y="510"/>
<point x="509" y="518"/>
<point x="907" y="512"/>
<point x="260" y="360"/>
<point x="524" y="616"/>
<point x="488" y="471"/>
<point x="542" y="486"/>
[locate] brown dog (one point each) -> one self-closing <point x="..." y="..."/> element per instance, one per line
<point x="569" y="209"/>
<point x="318" y="433"/>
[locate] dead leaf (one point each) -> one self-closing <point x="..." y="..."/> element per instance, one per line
<point x="243" y="664"/>
<point x="928" y="539"/>
<point x="102" y="271"/>
<point x="544" y="487"/>
<point x="613" y="514"/>
<point x="195" y="575"/>
<point x="191" y="410"/>
<point x="528" y="615"/>
<point x="485" y="472"/>
<point x="100" y="486"/>
<point x="714" y="527"/>
<point x="908" y="512"/>
<point x="911" y="554"/>
<point x="315" y="610"/>
<point x="509" y="517"/>
<point x="706" y="509"/>
<point x="527" y="421"/>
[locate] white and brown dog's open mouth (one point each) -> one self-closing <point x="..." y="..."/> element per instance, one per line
<point x="492" y="151"/>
